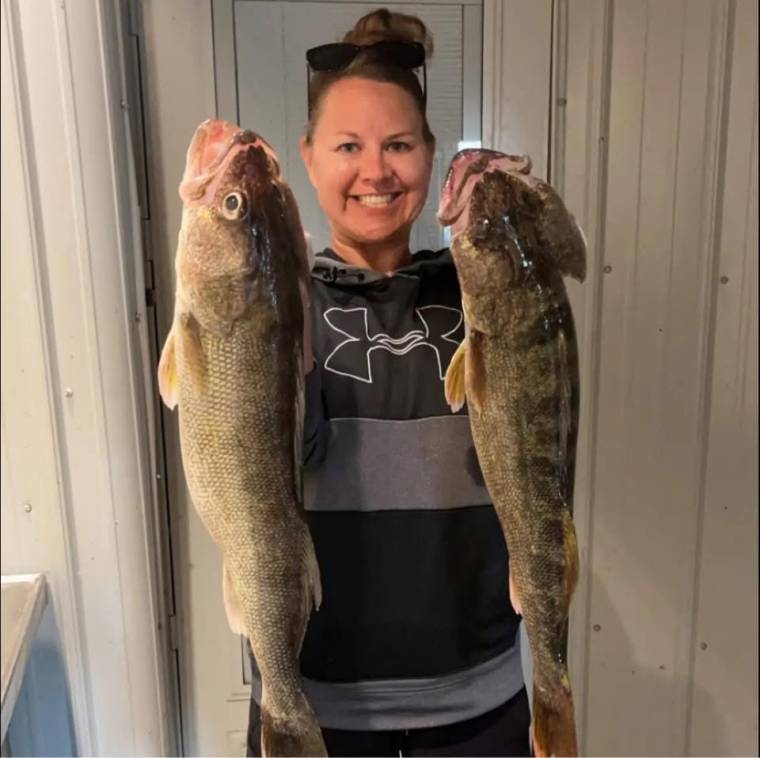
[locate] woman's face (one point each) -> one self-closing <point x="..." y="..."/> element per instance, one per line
<point x="368" y="161"/>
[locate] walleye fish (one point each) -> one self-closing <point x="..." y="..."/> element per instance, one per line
<point x="232" y="364"/>
<point x="512" y="242"/>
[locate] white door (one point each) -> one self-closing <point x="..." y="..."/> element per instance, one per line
<point x="254" y="74"/>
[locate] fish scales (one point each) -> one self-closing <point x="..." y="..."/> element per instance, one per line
<point x="519" y="461"/>
<point x="232" y="457"/>
<point x="232" y="364"/>
<point x="518" y="368"/>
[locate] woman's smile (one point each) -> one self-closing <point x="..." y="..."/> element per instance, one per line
<point x="375" y="202"/>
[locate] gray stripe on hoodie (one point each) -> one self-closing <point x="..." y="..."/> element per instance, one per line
<point x="413" y="703"/>
<point x="380" y="465"/>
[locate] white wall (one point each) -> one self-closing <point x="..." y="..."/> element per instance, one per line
<point x="76" y="476"/>
<point x="653" y="128"/>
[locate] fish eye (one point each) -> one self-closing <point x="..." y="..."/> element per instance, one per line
<point x="234" y="206"/>
<point x="481" y="228"/>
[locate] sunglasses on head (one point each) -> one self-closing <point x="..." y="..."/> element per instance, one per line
<point x="337" y="56"/>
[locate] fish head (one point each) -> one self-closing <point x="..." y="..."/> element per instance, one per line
<point x="465" y="171"/>
<point x="508" y="228"/>
<point x="239" y="223"/>
<point x="492" y="210"/>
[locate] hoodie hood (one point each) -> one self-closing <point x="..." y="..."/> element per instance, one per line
<point x="329" y="267"/>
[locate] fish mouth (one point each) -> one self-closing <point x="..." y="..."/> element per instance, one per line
<point x="213" y="147"/>
<point x="465" y="171"/>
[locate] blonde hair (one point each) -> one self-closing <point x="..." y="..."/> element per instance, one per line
<point x="377" y="26"/>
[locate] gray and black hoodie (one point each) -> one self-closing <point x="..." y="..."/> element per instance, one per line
<point x="415" y="627"/>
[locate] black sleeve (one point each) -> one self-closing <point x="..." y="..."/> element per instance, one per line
<point x="315" y="428"/>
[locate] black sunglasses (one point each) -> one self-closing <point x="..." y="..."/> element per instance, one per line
<point x="336" y="56"/>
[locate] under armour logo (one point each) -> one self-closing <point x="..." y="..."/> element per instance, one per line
<point x="438" y="332"/>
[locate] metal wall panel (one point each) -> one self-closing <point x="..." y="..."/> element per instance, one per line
<point x="652" y="123"/>
<point x="654" y="324"/>
<point x="644" y="162"/>
<point x="517" y="55"/>
<point x="724" y="687"/>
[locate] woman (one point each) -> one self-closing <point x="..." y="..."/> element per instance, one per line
<point x="415" y="648"/>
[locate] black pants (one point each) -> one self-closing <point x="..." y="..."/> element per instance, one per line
<point x="500" y="732"/>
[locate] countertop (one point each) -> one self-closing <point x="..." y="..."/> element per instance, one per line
<point x="24" y="598"/>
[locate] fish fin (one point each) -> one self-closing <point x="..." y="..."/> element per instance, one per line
<point x="553" y="727"/>
<point x="559" y="232"/>
<point x="297" y="734"/>
<point x="231" y="606"/>
<point x="308" y="239"/>
<point x="311" y="591"/>
<point x="190" y="348"/>
<point x="569" y="397"/>
<point x="453" y="385"/>
<point x="168" y="380"/>
<point x="475" y="371"/>
<point x="578" y="245"/>
<point x="513" y="598"/>
<point x="570" y="578"/>
<point x="299" y="411"/>
<point x="301" y="251"/>
<point x="313" y="576"/>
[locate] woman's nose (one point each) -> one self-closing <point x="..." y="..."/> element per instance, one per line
<point x="374" y="166"/>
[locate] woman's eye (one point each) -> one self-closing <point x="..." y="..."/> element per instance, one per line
<point x="399" y="147"/>
<point x="348" y="147"/>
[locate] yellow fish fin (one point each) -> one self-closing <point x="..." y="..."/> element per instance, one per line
<point x="190" y="349"/>
<point x="514" y="598"/>
<point x="453" y="385"/>
<point x="231" y="605"/>
<point x="571" y="557"/>
<point x="168" y="380"/>
<point x="475" y="371"/>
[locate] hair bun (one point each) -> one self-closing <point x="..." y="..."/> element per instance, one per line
<point x="381" y="24"/>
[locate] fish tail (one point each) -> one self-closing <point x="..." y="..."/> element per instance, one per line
<point x="298" y="734"/>
<point x="554" y="724"/>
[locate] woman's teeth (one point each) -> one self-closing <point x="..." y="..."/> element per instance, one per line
<point x="376" y="200"/>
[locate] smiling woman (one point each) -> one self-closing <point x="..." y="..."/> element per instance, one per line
<point x="415" y="648"/>
<point x="368" y="148"/>
<point x="370" y="164"/>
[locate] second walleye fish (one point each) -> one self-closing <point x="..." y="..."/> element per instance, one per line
<point x="512" y="241"/>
